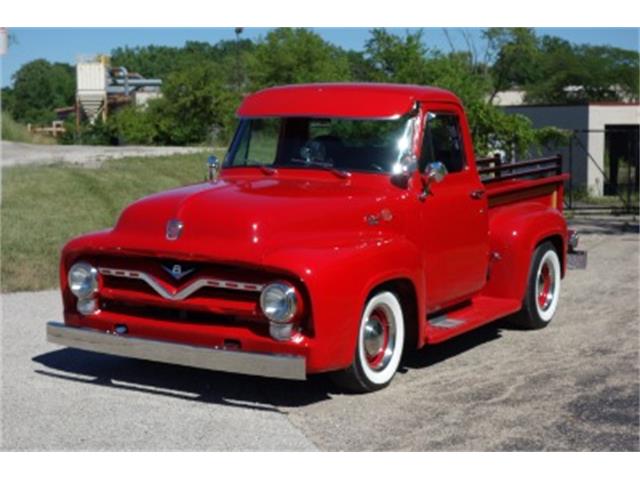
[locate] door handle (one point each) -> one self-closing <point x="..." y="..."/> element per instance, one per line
<point x="477" y="194"/>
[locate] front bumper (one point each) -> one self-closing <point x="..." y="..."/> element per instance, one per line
<point x="290" y="367"/>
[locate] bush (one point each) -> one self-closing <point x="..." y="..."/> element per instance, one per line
<point x="16" y="132"/>
<point x="100" y="133"/>
<point x="133" y="125"/>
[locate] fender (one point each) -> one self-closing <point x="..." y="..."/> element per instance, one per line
<point x="339" y="280"/>
<point x="514" y="233"/>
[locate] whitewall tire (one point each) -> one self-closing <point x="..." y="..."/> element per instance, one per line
<point x="543" y="288"/>
<point x="381" y="336"/>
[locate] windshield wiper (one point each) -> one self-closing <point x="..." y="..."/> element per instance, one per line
<point x="323" y="166"/>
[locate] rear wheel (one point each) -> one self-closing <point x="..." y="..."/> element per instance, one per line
<point x="379" y="346"/>
<point x="543" y="288"/>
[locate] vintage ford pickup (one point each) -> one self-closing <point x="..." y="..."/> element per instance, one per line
<point x="347" y="224"/>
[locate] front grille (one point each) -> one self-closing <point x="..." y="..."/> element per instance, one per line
<point x="215" y="294"/>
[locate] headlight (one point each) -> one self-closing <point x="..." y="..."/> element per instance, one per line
<point x="83" y="280"/>
<point x="279" y="302"/>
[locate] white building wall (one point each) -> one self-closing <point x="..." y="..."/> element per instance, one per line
<point x="599" y="117"/>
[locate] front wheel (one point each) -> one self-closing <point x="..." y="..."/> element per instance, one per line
<point x="543" y="288"/>
<point x="379" y="345"/>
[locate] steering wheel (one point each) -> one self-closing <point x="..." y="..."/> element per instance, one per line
<point x="314" y="152"/>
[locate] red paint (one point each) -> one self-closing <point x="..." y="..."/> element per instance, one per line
<point x="348" y="100"/>
<point x="309" y="227"/>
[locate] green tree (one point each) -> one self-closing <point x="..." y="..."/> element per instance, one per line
<point x="39" y="87"/>
<point x="196" y="106"/>
<point x="296" y="55"/>
<point x="8" y="99"/>
<point x="397" y="59"/>
<point x="152" y="61"/>
<point x="515" y="56"/>
<point x="552" y="70"/>
<point x="583" y="73"/>
<point x="160" y="61"/>
<point x="408" y="60"/>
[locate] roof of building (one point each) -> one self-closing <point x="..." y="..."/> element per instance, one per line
<point x="349" y="100"/>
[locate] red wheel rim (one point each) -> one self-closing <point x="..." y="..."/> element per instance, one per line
<point x="544" y="283"/>
<point x="377" y="338"/>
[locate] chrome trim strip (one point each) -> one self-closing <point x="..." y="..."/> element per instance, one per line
<point x="187" y="290"/>
<point x="292" y="367"/>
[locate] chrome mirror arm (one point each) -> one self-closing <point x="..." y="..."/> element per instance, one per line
<point x="433" y="173"/>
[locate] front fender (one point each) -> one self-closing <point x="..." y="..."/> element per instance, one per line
<point x="339" y="279"/>
<point x="514" y="233"/>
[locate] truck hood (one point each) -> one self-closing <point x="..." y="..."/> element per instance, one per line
<point x="240" y="218"/>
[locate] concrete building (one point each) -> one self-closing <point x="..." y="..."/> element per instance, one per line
<point x="603" y="154"/>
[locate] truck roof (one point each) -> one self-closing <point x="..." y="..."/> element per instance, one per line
<point x="348" y="100"/>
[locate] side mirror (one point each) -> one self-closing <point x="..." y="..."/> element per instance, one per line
<point x="213" y="165"/>
<point x="434" y="172"/>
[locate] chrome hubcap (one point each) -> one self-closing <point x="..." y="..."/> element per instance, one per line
<point x="545" y="285"/>
<point x="379" y="337"/>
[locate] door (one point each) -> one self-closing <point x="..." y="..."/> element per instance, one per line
<point x="454" y="218"/>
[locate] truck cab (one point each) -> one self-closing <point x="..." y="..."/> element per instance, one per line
<point x="347" y="224"/>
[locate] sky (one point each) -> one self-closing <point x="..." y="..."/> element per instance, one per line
<point x="64" y="44"/>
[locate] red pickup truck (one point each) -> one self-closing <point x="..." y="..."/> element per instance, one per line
<point x="347" y="224"/>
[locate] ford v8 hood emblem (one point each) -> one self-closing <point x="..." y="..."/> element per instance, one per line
<point x="177" y="271"/>
<point x="174" y="229"/>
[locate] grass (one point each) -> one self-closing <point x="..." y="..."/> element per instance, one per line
<point x="16" y="132"/>
<point x="44" y="206"/>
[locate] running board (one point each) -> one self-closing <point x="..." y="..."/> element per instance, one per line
<point x="480" y="311"/>
<point x="443" y="321"/>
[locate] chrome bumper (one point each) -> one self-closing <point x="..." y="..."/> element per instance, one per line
<point x="265" y="365"/>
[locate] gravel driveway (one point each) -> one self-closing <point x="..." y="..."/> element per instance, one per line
<point x="14" y="153"/>
<point x="572" y="386"/>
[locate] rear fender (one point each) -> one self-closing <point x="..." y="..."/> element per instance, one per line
<point x="514" y="233"/>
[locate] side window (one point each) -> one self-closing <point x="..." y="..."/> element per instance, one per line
<point x="443" y="142"/>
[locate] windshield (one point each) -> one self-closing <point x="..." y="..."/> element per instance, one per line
<point x="336" y="143"/>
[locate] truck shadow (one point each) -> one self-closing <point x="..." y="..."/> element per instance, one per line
<point x="241" y="391"/>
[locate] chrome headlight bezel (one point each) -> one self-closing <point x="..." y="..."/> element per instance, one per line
<point x="83" y="280"/>
<point x="279" y="302"/>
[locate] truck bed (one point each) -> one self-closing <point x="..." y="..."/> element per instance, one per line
<point x="538" y="180"/>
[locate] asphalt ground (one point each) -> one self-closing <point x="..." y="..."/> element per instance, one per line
<point x="572" y="386"/>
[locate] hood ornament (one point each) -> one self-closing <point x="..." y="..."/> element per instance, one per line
<point x="174" y="229"/>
